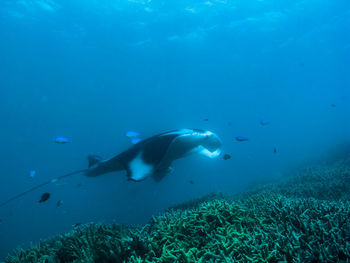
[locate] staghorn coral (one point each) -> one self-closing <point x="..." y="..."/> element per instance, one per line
<point x="88" y="243"/>
<point x="331" y="182"/>
<point x="197" y="201"/>
<point x="263" y="228"/>
<point x="297" y="220"/>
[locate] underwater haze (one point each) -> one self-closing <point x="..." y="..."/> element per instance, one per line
<point x="271" y="78"/>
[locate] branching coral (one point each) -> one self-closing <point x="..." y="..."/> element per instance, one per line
<point x="320" y="182"/>
<point x="294" y="221"/>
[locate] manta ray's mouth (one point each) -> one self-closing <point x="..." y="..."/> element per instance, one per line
<point x="206" y="152"/>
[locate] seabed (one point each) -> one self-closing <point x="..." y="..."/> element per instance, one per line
<point x="303" y="218"/>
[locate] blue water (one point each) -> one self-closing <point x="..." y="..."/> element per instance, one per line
<point x="92" y="70"/>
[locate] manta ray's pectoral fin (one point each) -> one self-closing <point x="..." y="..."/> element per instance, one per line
<point x="162" y="171"/>
<point x="94" y="159"/>
<point x="158" y="176"/>
<point x="98" y="166"/>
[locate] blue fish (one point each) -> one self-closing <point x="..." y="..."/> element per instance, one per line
<point x="132" y="134"/>
<point x="62" y="140"/>
<point x="264" y="122"/>
<point x="32" y="173"/>
<point x="241" y="138"/>
<point x="135" y="140"/>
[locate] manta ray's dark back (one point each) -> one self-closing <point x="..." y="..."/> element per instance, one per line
<point x="152" y="149"/>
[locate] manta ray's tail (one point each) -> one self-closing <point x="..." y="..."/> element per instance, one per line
<point x="41" y="185"/>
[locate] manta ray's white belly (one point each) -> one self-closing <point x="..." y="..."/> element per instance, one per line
<point x="139" y="169"/>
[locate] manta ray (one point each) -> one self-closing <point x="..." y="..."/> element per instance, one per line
<point x="151" y="157"/>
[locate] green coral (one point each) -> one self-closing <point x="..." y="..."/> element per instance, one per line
<point x="263" y="228"/>
<point x="331" y="182"/>
<point x="296" y="220"/>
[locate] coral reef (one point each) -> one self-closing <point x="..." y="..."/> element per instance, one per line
<point x="304" y="218"/>
<point x="327" y="182"/>
<point x="197" y="201"/>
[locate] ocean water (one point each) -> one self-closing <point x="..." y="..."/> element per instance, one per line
<point x="93" y="70"/>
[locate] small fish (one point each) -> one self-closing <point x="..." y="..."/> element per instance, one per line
<point x="191" y="181"/>
<point x="333" y="105"/>
<point x="274" y="150"/>
<point x="206" y="119"/>
<point x="44" y="197"/>
<point x="59" y="203"/>
<point x="264" y="122"/>
<point x="61" y="140"/>
<point x="132" y="134"/>
<point x="32" y="173"/>
<point x="229" y="123"/>
<point x="76" y="224"/>
<point x="241" y="138"/>
<point x="226" y="157"/>
<point x="135" y="140"/>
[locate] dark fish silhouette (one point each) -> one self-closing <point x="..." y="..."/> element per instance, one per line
<point x="333" y="105"/>
<point x="241" y="138"/>
<point x="44" y="197"/>
<point x="274" y="150"/>
<point x="206" y="119"/>
<point x="226" y="157"/>
<point x="191" y="181"/>
<point x="59" y="203"/>
<point x="264" y="122"/>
